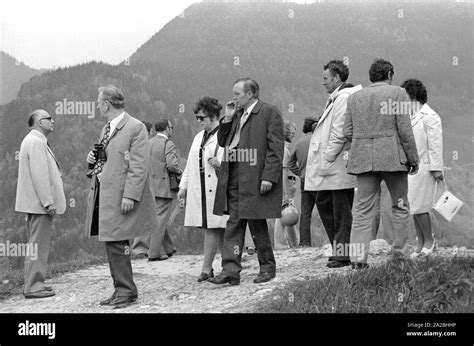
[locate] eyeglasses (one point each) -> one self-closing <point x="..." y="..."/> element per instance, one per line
<point x="201" y="117"/>
<point x="47" y="118"/>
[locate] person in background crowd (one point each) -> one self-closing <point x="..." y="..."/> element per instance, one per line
<point x="150" y="129"/>
<point x="158" y="245"/>
<point x="199" y="182"/>
<point x="120" y="205"/>
<point x="250" y="180"/>
<point x="428" y="133"/>
<point x="326" y="174"/>
<point x="40" y="195"/>
<point x="383" y="148"/>
<point x="297" y="165"/>
<point x="286" y="236"/>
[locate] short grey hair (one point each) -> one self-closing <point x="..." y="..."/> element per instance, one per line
<point x="113" y="95"/>
<point x="250" y="85"/>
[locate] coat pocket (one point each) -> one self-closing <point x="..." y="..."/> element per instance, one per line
<point x="327" y="168"/>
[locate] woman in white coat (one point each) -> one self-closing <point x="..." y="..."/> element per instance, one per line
<point x="199" y="182"/>
<point x="428" y="133"/>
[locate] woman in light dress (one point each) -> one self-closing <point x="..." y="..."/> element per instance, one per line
<point x="428" y="134"/>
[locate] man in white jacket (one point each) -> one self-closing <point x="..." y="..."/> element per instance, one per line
<point x="326" y="175"/>
<point x="40" y="194"/>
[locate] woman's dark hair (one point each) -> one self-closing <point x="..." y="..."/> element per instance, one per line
<point x="416" y="90"/>
<point x="209" y="106"/>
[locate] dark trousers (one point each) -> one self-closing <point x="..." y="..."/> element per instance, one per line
<point x="335" y="210"/>
<point x="235" y="233"/>
<point x="118" y="255"/>
<point x="308" y="200"/>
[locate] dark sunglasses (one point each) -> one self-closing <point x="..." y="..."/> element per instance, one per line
<point x="201" y="117"/>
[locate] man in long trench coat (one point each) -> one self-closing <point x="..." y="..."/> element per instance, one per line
<point x="120" y="204"/>
<point x="249" y="187"/>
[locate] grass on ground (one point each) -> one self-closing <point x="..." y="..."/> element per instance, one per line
<point x="399" y="286"/>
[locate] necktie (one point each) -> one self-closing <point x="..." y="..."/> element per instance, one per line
<point x="51" y="152"/>
<point x="235" y="141"/>
<point x="328" y="103"/>
<point x="100" y="163"/>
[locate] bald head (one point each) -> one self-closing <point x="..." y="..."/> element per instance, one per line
<point x="35" y="115"/>
<point x="41" y="121"/>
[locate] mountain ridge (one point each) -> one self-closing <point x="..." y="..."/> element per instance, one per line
<point x="203" y="52"/>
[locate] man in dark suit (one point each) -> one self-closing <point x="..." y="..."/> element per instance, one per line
<point x="249" y="188"/>
<point x="120" y="204"/>
<point x="383" y="148"/>
<point x="158" y="245"/>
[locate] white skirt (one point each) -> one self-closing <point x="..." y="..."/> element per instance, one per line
<point x="421" y="187"/>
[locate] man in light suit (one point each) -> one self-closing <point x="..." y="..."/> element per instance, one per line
<point x="40" y="194"/>
<point x="249" y="187"/>
<point x="326" y="175"/>
<point x="158" y="244"/>
<point x="383" y="148"/>
<point x="120" y="203"/>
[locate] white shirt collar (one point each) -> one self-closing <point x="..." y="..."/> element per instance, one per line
<point x="251" y="107"/>
<point x="114" y="122"/>
<point x="162" y="135"/>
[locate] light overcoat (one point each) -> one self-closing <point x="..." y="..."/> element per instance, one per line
<point x="191" y="182"/>
<point x="429" y="142"/>
<point x="126" y="173"/>
<point x="328" y="149"/>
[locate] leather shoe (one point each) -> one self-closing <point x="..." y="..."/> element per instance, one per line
<point x="338" y="264"/>
<point x="159" y="258"/>
<point x="251" y="250"/>
<point x="223" y="279"/>
<point x="108" y="300"/>
<point x="140" y="256"/>
<point x="204" y="276"/>
<point x="39" y="294"/>
<point x="263" y="277"/>
<point x="428" y="251"/>
<point x="169" y="254"/>
<point x="123" y="302"/>
<point x="359" y="265"/>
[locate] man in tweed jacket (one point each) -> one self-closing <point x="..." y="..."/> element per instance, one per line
<point x="378" y="124"/>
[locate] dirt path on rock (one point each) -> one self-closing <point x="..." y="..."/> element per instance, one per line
<point x="170" y="286"/>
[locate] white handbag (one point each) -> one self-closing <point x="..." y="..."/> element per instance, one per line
<point x="447" y="205"/>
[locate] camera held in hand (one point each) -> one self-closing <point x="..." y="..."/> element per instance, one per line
<point x="99" y="153"/>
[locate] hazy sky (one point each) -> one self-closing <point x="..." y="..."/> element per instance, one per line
<point x="48" y="33"/>
<point x="54" y="33"/>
